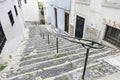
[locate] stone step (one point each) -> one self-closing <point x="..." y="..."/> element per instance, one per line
<point x="71" y="51"/>
<point x="115" y="76"/>
<point x="41" y="62"/>
<point x="39" y="39"/>
<point x="52" y="56"/>
<point x="65" y="45"/>
<point x="42" y="41"/>
<point x="38" y="54"/>
<point x="46" y="48"/>
<point x="35" y="74"/>
<point x="57" y="70"/>
<point x="92" y="73"/>
<point x="68" y="72"/>
<point x="42" y="44"/>
<point x="51" y="38"/>
<point x="26" y="53"/>
<point x="56" y="56"/>
<point x="70" y="59"/>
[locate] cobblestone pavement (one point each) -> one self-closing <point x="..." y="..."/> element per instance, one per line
<point x="39" y="60"/>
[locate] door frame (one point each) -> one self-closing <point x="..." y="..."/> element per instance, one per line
<point x="82" y="15"/>
<point x="68" y="20"/>
<point x="76" y="24"/>
<point x="56" y="21"/>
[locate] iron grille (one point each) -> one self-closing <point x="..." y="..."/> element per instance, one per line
<point x="2" y="38"/>
<point x="112" y="35"/>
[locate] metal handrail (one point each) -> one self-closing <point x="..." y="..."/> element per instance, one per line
<point x="87" y="46"/>
<point x="78" y="40"/>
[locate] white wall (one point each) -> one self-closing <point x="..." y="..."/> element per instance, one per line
<point x="15" y="33"/>
<point x="95" y="13"/>
<point x="65" y="4"/>
<point x="60" y="19"/>
<point x="30" y="10"/>
<point x="51" y="15"/>
<point x="61" y="6"/>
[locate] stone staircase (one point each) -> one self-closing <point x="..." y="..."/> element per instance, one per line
<point x="40" y="61"/>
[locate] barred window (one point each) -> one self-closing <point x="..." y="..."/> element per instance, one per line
<point x="11" y="17"/>
<point x="15" y="10"/>
<point x="2" y="38"/>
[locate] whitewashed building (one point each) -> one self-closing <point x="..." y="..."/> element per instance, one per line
<point x="11" y="27"/>
<point x="30" y="10"/>
<point x="57" y="13"/>
<point x="96" y="20"/>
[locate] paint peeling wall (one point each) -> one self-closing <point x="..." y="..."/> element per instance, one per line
<point x="97" y="14"/>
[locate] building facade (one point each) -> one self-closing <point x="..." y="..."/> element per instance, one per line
<point x="11" y="27"/>
<point x="89" y="19"/>
<point x="30" y="10"/>
<point x="57" y="13"/>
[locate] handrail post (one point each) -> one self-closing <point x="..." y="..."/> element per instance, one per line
<point x="48" y="39"/>
<point x="57" y="44"/>
<point x="43" y="35"/>
<point x="86" y="60"/>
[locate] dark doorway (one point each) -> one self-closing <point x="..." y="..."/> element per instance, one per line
<point x="79" y="27"/>
<point x="112" y="35"/>
<point x="66" y="22"/>
<point x="56" y="24"/>
<point x="2" y="38"/>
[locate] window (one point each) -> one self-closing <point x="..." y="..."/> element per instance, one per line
<point x="67" y="22"/>
<point x="16" y="10"/>
<point x="2" y="38"/>
<point x="11" y="17"/>
<point x="25" y="1"/>
<point x="112" y="35"/>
